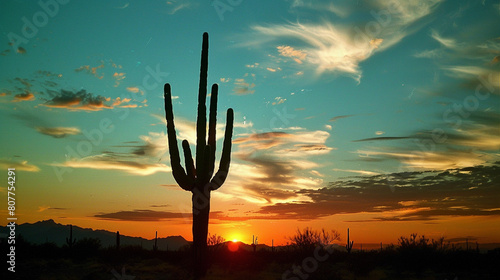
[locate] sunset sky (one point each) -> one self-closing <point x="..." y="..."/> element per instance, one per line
<point x="378" y="116"/>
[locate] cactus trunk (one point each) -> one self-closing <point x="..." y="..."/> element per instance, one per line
<point x="70" y="241"/>
<point x="197" y="177"/>
<point x="117" y="240"/>
<point x="155" y="246"/>
<point x="200" y="233"/>
<point x="349" y="245"/>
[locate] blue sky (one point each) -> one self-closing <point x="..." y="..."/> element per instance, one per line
<point x="323" y="92"/>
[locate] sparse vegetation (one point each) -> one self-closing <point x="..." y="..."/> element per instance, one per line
<point x="414" y="257"/>
<point x="215" y="242"/>
<point x="308" y="239"/>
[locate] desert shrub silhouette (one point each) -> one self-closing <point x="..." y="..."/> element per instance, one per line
<point x="308" y="239"/>
<point x="198" y="178"/>
<point x="215" y="243"/>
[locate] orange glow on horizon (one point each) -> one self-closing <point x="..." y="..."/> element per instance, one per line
<point x="278" y="232"/>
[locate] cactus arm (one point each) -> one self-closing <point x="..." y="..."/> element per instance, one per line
<point x="191" y="171"/>
<point x="201" y="121"/>
<point x="225" y="160"/>
<point x="177" y="171"/>
<point x="212" y="128"/>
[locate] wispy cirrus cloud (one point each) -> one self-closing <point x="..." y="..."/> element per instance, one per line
<point x="45" y="208"/>
<point x="328" y="47"/>
<point x="264" y="140"/>
<point x="297" y="55"/>
<point x="18" y="165"/>
<point x="268" y="165"/>
<point x="338" y="46"/>
<point x="428" y="160"/>
<point x="446" y="42"/>
<point x="478" y="70"/>
<point x="147" y="215"/>
<point x="58" y="132"/>
<point x="142" y="215"/>
<point x="338" y="10"/>
<point x="111" y="162"/>
<point x="153" y="145"/>
<point x="177" y="5"/>
<point x="475" y="141"/>
<point x="383" y="138"/>
<point x="142" y="157"/>
<point x="361" y="172"/>
<point x="340" y="117"/>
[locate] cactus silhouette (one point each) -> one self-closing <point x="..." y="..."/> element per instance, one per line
<point x="155" y="246"/>
<point x="254" y="243"/>
<point x="117" y="240"/>
<point x="348" y="246"/>
<point x="198" y="178"/>
<point x="70" y="241"/>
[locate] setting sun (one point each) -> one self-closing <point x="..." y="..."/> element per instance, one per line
<point x="235" y="237"/>
<point x="233" y="246"/>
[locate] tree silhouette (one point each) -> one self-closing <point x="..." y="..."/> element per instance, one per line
<point x="198" y="179"/>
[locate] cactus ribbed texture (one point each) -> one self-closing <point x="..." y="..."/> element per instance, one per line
<point x="349" y="244"/>
<point x="197" y="177"/>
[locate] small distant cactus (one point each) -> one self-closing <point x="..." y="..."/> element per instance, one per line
<point x="254" y="242"/>
<point x="117" y="240"/>
<point x="155" y="247"/>
<point x="348" y="246"/>
<point x="70" y="241"/>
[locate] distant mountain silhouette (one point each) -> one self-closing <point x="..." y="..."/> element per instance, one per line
<point x="50" y="231"/>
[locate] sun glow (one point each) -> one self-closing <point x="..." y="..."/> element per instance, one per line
<point x="234" y="237"/>
<point x="233" y="246"/>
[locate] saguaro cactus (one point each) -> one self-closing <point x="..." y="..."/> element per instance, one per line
<point x="198" y="178"/>
<point x="117" y="240"/>
<point x="254" y="243"/>
<point x="348" y="246"/>
<point x="70" y="241"/>
<point x="155" y="246"/>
